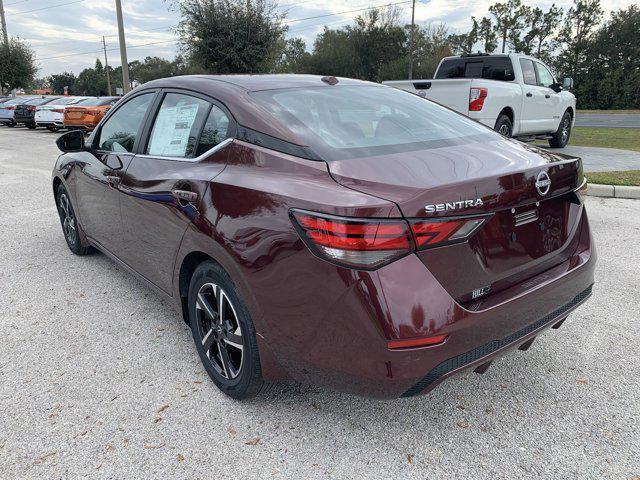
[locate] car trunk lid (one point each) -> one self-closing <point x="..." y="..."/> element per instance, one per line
<point x="526" y="193"/>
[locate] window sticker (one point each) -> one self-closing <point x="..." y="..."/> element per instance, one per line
<point x="172" y="130"/>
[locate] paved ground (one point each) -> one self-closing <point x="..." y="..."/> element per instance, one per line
<point x="613" y="120"/>
<point x="99" y="378"/>
<point x="597" y="159"/>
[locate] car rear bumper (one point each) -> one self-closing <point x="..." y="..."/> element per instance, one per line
<point x="348" y="351"/>
<point x="49" y="123"/>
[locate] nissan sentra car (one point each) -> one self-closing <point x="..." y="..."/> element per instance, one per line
<point x="328" y="230"/>
<point x="87" y="113"/>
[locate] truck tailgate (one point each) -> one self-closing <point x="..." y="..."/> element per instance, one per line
<point x="452" y="93"/>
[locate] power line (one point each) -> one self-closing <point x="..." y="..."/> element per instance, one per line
<point x="15" y="3"/>
<point x="287" y="21"/>
<point x="45" y="8"/>
<point x="348" y="11"/>
<point x="108" y="49"/>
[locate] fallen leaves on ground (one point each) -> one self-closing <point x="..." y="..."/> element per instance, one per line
<point x="255" y="441"/>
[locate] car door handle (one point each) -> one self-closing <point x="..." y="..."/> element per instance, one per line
<point x="185" y="195"/>
<point x="529" y="94"/>
<point x="113" y="180"/>
<point x="547" y="96"/>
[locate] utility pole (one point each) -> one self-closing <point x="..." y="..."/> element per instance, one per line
<point x="4" y="24"/>
<point x="413" y="24"/>
<point x="106" y="64"/>
<point x="123" y="49"/>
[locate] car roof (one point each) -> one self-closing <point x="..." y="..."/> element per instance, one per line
<point x="234" y="92"/>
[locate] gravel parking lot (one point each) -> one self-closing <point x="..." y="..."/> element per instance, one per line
<point x="99" y="377"/>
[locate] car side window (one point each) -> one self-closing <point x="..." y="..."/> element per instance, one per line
<point x="120" y="131"/>
<point x="528" y="72"/>
<point x="545" y="79"/>
<point x="216" y="129"/>
<point x="176" y="127"/>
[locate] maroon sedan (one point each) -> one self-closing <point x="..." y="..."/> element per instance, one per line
<point x="330" y="231"/>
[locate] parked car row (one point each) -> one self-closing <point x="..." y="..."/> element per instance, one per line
<point x="55" y="112"/>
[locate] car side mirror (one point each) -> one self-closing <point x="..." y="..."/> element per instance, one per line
<point x="113" y="162"/>
<point x="556" y="87"/>
<point x="72" y="141"/>
<point x="567" y="83"/>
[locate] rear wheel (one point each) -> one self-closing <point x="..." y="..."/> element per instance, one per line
<point x="53" y="129"/>
<point x="223" y="332"/>
<point x="31" y="126"/>
<point x="504" y="126"/>
<point x="69" y="223"/>
<point x="561" y="137"/>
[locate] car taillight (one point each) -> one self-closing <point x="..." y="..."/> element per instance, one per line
<point x="476" y="98"/>
<point x="437" y="232"/>
<point x="91" y="112"/>
<point x="31" y="108"/>
<point x="361" y="243"/>
<point x="10" y="107"/>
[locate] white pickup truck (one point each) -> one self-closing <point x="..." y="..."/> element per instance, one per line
<point x="514" y="94"/>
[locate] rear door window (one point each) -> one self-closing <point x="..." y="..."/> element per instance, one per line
<point x="121" y="130"/>
<point x="498" y="68"/>
<point x="216" y="129"/>
<point x="177" y="125"/>
<point x="528" y="72"/>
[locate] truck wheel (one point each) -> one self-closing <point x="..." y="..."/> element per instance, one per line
<point x="561" y="137"/>
<point x="504" y="126"/>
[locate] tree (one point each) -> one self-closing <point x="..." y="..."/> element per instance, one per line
<point x="92" y="81"/>
<point x="575" y="36"/>
<point x="231" y="36"/>
<point x="463" y="43"/>
<point x="611" y="77"/>
<point x="17" y="65"/>
<point x="363" y="50"/>
<point x="294" y="57"/>
<point x="510" y="19"/>
<point x="57" y="82"/>
<point x="487" y="34"/>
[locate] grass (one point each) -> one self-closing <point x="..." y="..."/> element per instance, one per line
<point x="613" y="112"/>
<point x="624" y="138"/>
<point x="630" y="177"/>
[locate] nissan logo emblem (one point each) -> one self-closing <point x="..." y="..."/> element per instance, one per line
<point x="543" y="183"/>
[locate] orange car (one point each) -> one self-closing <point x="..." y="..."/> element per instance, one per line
<point x="85" y="115"/>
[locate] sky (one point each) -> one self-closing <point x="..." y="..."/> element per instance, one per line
<point x="66" y="35"/>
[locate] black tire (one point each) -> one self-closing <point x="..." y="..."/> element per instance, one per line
<point x="10" y="124"/>
<point x="504" y="126"/>
<point x="53" y="129"/>
<point x="241" y="376"/>
<point x="69" y="223"/>
<point x="560" y="139"/>
<point x="31" y="126"/>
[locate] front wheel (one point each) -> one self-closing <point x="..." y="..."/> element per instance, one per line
<point x="69" y="222"/>
<point x="504" y="126"/>
<point x="561" y="137"/>
<point x="223" y="332"/>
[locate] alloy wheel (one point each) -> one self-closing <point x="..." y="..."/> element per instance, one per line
<point x="504" y="130"/>
<point x="566" y="125"/>
<point x="68" y="219"/>
<point x="219" y="330"/>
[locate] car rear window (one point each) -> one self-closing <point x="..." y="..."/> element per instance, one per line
<point x="353" y="121"/>
<point x="65" y="100"/>
<point x="489" y="68"/>
<point x="39" y="101"/>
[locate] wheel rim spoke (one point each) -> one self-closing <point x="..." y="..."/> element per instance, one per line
<point x="204" y="304"/>
<point x="208" y="341"/>
<point x="224" y="360"/>
<point x="234" y="341"/>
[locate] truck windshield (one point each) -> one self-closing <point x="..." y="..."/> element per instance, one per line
<point x="353" y="121"/>
<point x="490" y="68"/>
